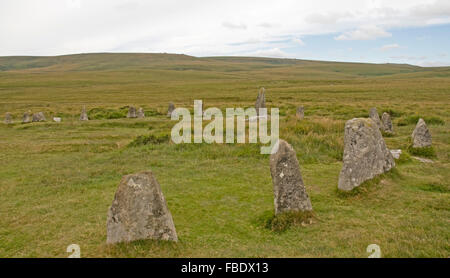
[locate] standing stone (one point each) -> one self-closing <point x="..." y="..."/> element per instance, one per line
<point x="300" y="114"/>
<point x="8" y="118"/>
<point x="387" y="123"/>
<point x="141" y="113"/>
<point x="38" y="117"/>
<point x="170" y="109"/>
<point x="421" y="136"/>
<point x="365" y="153"/>
<point x="139" y="211"/>
<point x="289" y="190"/>
<point x="373" y="114"/>
<point x="84" y="115"/>
<point x="131" y="112"/>
<point x="260" y="100"/>
<point x="26" y="117"/>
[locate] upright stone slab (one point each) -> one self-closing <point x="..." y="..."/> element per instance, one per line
<point x="141" y="113"/>
<point x="131" y="112"/>
<point x="8" y="118"/>
<point x="387" y="123"/>
<point x="260" y="100"/>
<point x="27" y="117"/>
<point x="170" y="109"/>
<point x="373" y="114"/>
<point x="421" y="136"/>
<point x="300" y="113"/>
<point x="38" y="117"/>
<point x="288" y="187"/>
<point x="139" y="211"/>
<point x="84" y="115"/>
<point x="365" y="153"/>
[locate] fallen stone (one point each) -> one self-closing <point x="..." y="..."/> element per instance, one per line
<point x="57" y="119"/>
<point x="387" y="123"/>
<point x="421" y="136"/>
<point x="38" y="117"/>
<point x="423" y="160"/>
<point x="373" y="114"/>
<point x="300" y="113"/>
<point x="131" y="112"/>
<point x="141" y="113"/>
<point x="365" y="153"/>
<point x="396" y="153"/>
<point x="289" y="190"/>
<point x="170" y="109"/>
<point x="139" y="211"/>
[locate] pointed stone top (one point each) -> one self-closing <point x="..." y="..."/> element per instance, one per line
<point x="421" y="135"/>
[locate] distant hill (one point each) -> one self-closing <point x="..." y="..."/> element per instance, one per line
<point x="177" y="62"/>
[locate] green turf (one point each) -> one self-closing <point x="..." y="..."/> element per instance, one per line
<point x="57" y="180"/>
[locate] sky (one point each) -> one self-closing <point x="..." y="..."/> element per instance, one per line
<point x="377" y="31"/>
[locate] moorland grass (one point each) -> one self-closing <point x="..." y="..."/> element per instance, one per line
<point x="57" y="180"/>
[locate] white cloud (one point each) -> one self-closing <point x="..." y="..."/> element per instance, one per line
<point x="364" y="33"/>
<point x="389" y="47"/>
<point x="273" y="53"/>
<point x="299" y="41"/>
<point x="234" y="25"/>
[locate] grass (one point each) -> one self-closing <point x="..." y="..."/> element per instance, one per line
<point x="57" y="180"/>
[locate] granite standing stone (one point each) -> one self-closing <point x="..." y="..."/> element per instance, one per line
<point x="8" y="118"/>
<point x="84" y="115"/>
<point x="131" y="112"/>
<point x="387" y="123"/>
<point x="300" y="113"/>
<point x="27" y="117"/>
<point x="170" y="109"/>
<point x="141" y="113"/>
<point x="421" y="136"/>
<point x="260" y="100"/>
<point x="289" y="190"/>
<point x="139" y="211"/>
<point x="365" y="153"/>
<point x="38" y="117"/>
<point x="373" y="114"/>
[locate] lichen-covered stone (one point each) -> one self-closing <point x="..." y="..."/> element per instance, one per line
<point x="170" y="109"/>
<point x="300" y="113"/>
<point x="8" y="118"/>
<point x="38" y="117"/>
<point x="141" y="113"/>
<point x="289" y="190"/>
<point x="27" y="117"/>
<point x="421" y="136"/>
<point x="260" y="100"/>
<point x="387" y="123"/>
<point x="365" y="153"/>
<point x="139" y="211"/>
<point x="131" y="112"/>
<point x="373" y="114"/>
<point x="84" y="115"/>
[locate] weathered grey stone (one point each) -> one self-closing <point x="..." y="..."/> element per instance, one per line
<point x="141" y="113"/>
<point x="38" y="117"/>
<point x="57" y="119"/>
<point x="139" y="211"/>
<point x="8" y="118"/>
<point x="421" y="136"/>
<point x="289" y="190"/>
<point x="170" y="109"/>
<point x="84" y="115"/>
<point x="131" y="112"/>
<point x="387" y="123"/>
<point x="373" y="114"/>
<point x="260" y="100"/>
<point x="300" y="113"/>
<point x="27" y="117"/>
<point x="365" y="153"/>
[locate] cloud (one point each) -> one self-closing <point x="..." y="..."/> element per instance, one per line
<point x="273" y="53"/>
<point x="299" y="41"/>
<point x="364" y="33"/>
<point x="234" y="26"/>
<point x="387" y="47"/>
